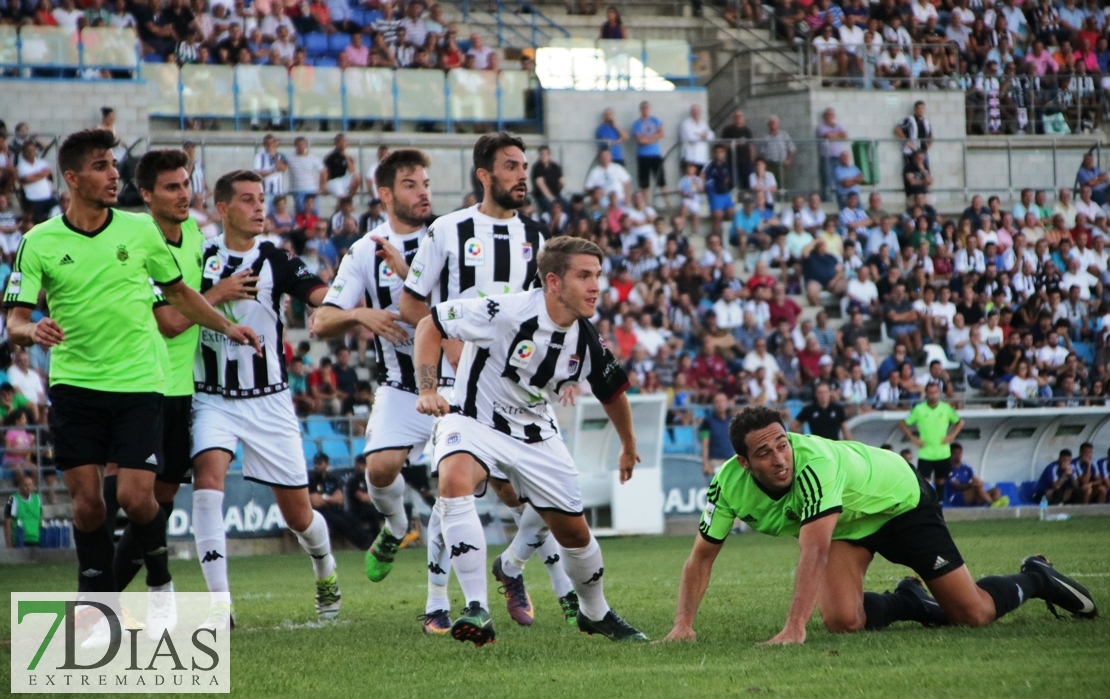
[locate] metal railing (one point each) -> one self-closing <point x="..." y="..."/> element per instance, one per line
<point x="53" y="52"/>
<point x="536" y="31"/>
<point x="276" y="95"/>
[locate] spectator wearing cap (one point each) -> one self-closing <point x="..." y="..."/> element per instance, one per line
<point x="325" y="492"/>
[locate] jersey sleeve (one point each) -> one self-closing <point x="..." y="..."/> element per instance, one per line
<point x="426" y="267"/>
<point x="718" y="516"/>
<point x="606" y="377"/>
<point x="469" y="320"/>
<point x="25" y="281"/>
<point x="911" y="419"/>
<point x="349" y="285"/>
<point x="159" y="297"/>
<point x="821" y="483"/>
<point x="292" y="276"/>
<point x="160" y="262"/>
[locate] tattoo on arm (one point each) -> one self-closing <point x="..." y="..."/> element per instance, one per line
<point x="427" y="377"/>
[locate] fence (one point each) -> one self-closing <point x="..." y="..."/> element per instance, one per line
<point x="274" y="94"/>
<point x="516" y="22"/>
<point x="47" y="52"/>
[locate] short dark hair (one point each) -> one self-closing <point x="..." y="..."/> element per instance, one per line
<point x="956" y="445"/>
<point x="1086" y="445"/>
<point x="225" y="186"/>
<point x="321" y="457"/>
<point x="1065" y="452"/>
<point x="750" y="420"/>
<point x="398" y="161"/>
<point x="77" y="146"/>
<point x="555" y="258"/>
<point x="155" y="162"/>
<point x="485" y="150"/>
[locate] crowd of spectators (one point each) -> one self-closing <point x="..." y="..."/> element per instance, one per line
<point x="1026" y="66"/>
<point x="344" y="33"/>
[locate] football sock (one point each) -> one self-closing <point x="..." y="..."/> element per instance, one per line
<point x="515" y="557"/>
<point x="316" y="543"/>
<point x="883" y="609"/>
<point x="552" y="561"/>
<point x="151" y="540"/>
<point x="390" y="502"/>
<point x="211" y="540"/>
<point x="439" y="567"/>
<point x="94" y="560"/>
<point x="111" y="503"/>
<point x="464" y="538"/>
<point x="584" y="567"/>
<point x="1010" y="591"/>
<point x="129" y="555"/>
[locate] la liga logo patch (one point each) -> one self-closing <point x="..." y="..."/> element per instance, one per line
<point x="522" y="353"/>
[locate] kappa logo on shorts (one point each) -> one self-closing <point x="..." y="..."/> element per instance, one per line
<point x="462" y="548"/>
<point x="453" y="439"/>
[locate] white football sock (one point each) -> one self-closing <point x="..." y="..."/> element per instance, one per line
<point x="439" y="565"/>
<point x="390" y="502"/>
<point x="463" y="535"/>
<point x="585" y="568"/>
<point x="211" y="541"/>
<point x="317" y="544"/>
<point x="552" y="561"/>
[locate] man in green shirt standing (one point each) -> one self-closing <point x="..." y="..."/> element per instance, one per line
<point x="933" y="439"/>
<point x="23" y="511"/>
<point x="95" y="265"/>
<point x="845" y="502"/>
<point x="165" y="186"/>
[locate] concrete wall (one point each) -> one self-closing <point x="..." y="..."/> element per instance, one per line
<point x="62" y="107"/>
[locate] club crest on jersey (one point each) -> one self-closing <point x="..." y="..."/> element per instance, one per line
<point x="522" y="353"/>
<point x="200" y="262"/>
<point x="453" y="439"/>
<point x="473" y="253"/>
<point x="452" y="312"/>
<point x="121" y="253"/>
<point x="526" y="250"/>
<point x="572" y="365"/>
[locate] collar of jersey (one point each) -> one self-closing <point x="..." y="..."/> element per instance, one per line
<point x="89" y="234"/>
<point x="769" y="493"/>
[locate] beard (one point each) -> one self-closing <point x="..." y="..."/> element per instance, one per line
<point x="406" y="215"/>
<point x="504" y="197"/>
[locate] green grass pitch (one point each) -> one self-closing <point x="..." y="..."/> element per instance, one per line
<point x="376" y="649"/>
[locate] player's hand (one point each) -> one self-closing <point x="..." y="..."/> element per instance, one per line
<point x="706" y="469"/>
<point x="237" y="287"/>
<point x="570" y="395"/>
<point x="382" y="323"/>
<point x="679" y="634"/>
<point x="244" y="336"/>
<point x="628" y="460"/>
<point x="48" y="333"/>
<point x="392" y="256"/>
<point x="917" y="442"/>
<point x="431" y="403"/>
<point x="787" y="637"/>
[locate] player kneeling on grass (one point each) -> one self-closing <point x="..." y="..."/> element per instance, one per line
<point x="845" y="502"/>
<point x="521" y="351"/>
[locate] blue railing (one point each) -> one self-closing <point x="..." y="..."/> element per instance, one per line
<point x="47" y="52"/>
<point x="538" y="31"/>
<point x="273" y="94"/>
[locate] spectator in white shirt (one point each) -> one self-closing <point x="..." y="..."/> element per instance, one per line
<point x="1086" y="205"/>
<point x="304" y="173"/>
<point x="611" y="177"/>
<point x="695" y="134"/>
<point x="729" y="310"/>
<point x="480" y="52"/>
<point x="26" y="380"/>
<point x="862" y="293"/>
<point x="923" y="10"/>
<point x="1075" y="276"/>
<point x="416" y="31"/>
<point x="36" y="176"/>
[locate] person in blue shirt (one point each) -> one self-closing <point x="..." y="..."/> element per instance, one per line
<point x="648" y="132"/>
<point x="1089" y="477"/>
<point x="964" y="489"/>
<point x="1090" y="174"/>
<point x="748" y="227"/>
<point x="1100" y="478"/>
<point x="718" y="185"/>
<point x="1058" y="482"/>
<point x="713" y="432"/>
<point x="848" y="178"/>
<point x="610" y="136"/>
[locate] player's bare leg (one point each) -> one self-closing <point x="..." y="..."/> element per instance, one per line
<point x="387" y="493"/>
<point x="459" y="475"/>
<point x="585" y="568"/>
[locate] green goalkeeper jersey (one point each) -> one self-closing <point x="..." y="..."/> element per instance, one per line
<point x="866" y="486"/>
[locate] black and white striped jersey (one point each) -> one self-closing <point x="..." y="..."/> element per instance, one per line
<point x="364" y="276"/>
<point x="467" y="254"/>
<point x="274" y="183"/>
<point x="516" y="362"/>
<point x="225" y="368"/>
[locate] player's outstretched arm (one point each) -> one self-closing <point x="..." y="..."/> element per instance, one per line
<point x="814" y="541"/>
<point x="23" y="332"/>
<point x="194" y="307"/>
<point x="238" y="286"/>
<point x="426" y="357"/>
<point x="692" y="587"/>
<point x="620" y="414"/>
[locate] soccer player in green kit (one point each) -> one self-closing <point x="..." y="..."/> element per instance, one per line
<point x="845" y="502"/>
<point x="166" y="188"/>
<point x="95" y="265"/>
